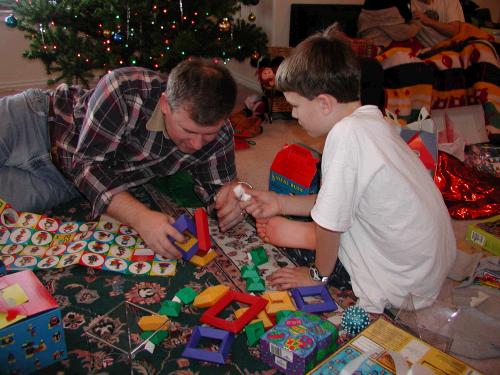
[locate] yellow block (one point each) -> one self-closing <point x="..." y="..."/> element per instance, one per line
<point x="210" y="296"/>
<point x="262" y="316"/>
<point x="201" y="261"/>
<point x="278" y="301"/>
<point x="154" y="322"/>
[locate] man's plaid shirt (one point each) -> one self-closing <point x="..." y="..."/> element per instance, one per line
<point x="100" y="141"/>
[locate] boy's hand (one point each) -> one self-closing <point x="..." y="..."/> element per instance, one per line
<point x="154" y="228"/>
<point x="291" y="277"/>
<point x="263" y="204"/>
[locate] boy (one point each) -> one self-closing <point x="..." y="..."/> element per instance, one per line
<point x="378" y="209"/>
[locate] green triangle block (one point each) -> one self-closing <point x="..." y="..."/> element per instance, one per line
<point x="254" y="332"/>
<point x="170" y="308"/>
<point x="186" y="295"/>
<point x="249" y="271"/>
<point x="157" y="338"/>
<point x="255" y="285"/>
<point x="259" y="256"/>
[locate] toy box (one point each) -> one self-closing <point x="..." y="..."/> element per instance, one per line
<point x="486" y="234"/>
<point x="295" y="170"/>
<point x="31" y="332"/>
<point x="376" y="341"/>
<point x="298" y="342"/>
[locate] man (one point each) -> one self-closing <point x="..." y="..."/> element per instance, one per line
<point x="134" y="126"/>
<point x="440" y="20"/>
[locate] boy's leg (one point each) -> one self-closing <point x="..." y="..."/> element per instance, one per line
<point x="29" y="179"/>
<point x="287" y="233"/>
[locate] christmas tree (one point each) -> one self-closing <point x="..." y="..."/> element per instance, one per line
<point x="74" y="39"/>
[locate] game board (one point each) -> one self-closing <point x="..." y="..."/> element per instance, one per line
<point x="33" y="241"/>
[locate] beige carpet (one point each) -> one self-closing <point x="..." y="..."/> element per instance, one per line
<point x="253" y="166"/>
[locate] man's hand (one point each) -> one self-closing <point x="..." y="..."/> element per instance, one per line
<point x="229" y="212"/>
<point x="291" y="277"/>
<point x="154" y="228"/>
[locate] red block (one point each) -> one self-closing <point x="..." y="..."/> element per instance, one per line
<point x="202" y="232"/>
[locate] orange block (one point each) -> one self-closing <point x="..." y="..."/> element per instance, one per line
<point x="210" y="296"/>
<point x="153" y="322"/>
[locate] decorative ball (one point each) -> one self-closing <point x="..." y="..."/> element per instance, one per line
<point x="255" y="55"/>
<point x="106" y="33"/>
<point x="355" y="319"/>
<point x="224" y="25"/>
<point x="252" y="17"/>
<point x="11" y="21"/>
<point x="118" y="37"/>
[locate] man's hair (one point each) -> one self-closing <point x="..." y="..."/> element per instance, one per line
<point x="322" y="64"/>
<point x="206" y="90"/>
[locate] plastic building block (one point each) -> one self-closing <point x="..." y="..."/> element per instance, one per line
<point x="153" y="322"/>
<point x="186" y="226"/>
<point x="201" y="261"/>
<point x="259" y="256"/>
<point x="186" y="295"/>
<point x="210" y="296"/>
<point x="170" y="308"/>
<point x="278" y="301"/>
<point x="282" y="314"/>
<point x="226" y="338"/>
<point x="202" y="231"/>
<point x="158" y="337"/>
<point x="256" y="304"/>
<point x="328" y="304"/>
<point x="249" y="271"/>
<point x="255" y="284"/>
<point x="254" y="331"/>
<point x="262" y="316"/>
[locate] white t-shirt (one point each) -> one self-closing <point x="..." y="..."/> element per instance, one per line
<point x="444" y="11"/>
<point x="396" y="231"/>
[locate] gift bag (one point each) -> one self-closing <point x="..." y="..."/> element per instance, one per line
<point x="421" y="136"/>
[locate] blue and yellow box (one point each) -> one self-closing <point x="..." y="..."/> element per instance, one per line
<point x="298" y="342"/>
<point x="31" y="332"/>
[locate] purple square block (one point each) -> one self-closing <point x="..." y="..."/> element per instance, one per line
<point x="226" y="338"/>
<point x="328" y="303"/>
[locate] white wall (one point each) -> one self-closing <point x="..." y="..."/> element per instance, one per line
<point x="16" y="72"/>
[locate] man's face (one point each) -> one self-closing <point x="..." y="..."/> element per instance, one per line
<point x="188" y="135"/>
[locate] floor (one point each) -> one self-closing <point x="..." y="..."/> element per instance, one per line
<point x="254" y="164"/>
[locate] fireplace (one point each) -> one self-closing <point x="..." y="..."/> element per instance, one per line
<point x="306" y="19"/>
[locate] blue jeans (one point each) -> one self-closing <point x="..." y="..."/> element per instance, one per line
<point x="29" y="181"/>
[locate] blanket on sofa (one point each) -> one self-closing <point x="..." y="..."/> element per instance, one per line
<point x="462" y="73"/>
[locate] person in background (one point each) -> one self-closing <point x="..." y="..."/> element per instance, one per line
<point x="440" y="20"/>
<point x="387" y="21"/>
<point x="378" y="212"/>
<point x="135" y="125"/>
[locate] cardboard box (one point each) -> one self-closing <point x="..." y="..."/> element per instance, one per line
<point x="486" y="234"/>
<point x="298" y="342"/>
<point x="381" y="337"/>
<point x="295" y="170"/>
<point x="31" y="332"/>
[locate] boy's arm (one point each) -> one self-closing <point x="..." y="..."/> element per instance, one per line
<point x="327" y="248"/>
<point x="296" y="205"/>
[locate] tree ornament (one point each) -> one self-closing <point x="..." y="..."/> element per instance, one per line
<point x="106" y="33"/>
<point x="118" y="37"/>
<point x="11" y="21"/>
<point x="255" y="55"/>
<point x="224" y="25"/>
<point x="354" y="320"/>
<point x="252" y="17"/>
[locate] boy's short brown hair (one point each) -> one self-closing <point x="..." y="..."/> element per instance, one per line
<point x="321" y="64"/>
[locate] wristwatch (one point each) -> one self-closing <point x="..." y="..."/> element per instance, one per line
<point x="316" y="276"/>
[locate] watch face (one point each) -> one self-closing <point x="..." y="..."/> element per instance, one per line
<point x="313" y="272"/>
